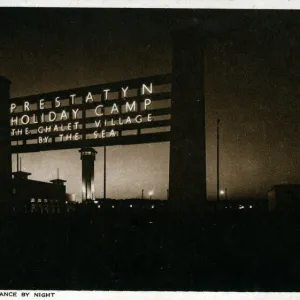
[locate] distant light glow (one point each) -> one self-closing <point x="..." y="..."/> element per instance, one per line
<point x="150" y="193"/>
<point x="222" y="192"/>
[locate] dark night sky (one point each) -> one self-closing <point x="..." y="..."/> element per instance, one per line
<point x="251" y="83"/>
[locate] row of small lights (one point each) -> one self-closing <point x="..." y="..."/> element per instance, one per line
<point x="150" y="193"/>
<point x="241" y="207"/>
<point x="32" y="200"/>
<point x="222" y="192"/>
<point x="99" y="206"/>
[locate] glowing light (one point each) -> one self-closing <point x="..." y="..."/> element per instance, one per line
<point x="25" y="119"/>
<point x="57" y="102"/>
<point x="96" y="110"/>
<point x="26" y="106"/>
<point x="146" y="88"/>
<point x="130" y="205"/>
<point x="130" y="108"/>
<point x="124" y="91"/>
<point x="222" y="192"/>
<point x="147" y="103"/>
<point x="52" y="116"/>
<point x="114" y="109"/>
<point x="152" y="206"/>
<point x="139" y="119"/>
<point x="12" y="107"/>
<point x="150" y="193"/>
<point x="42" y="104"/>
<point x="99" y="206"/>
<point x="89" y="98"/>
<point x="14" y="121"/>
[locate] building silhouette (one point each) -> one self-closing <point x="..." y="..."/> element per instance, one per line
<point x="36" y="196"/>
<point x="284" y="197"/>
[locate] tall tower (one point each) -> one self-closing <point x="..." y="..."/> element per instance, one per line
<point x="88" y="156"/>
<point x="187" y="139"/>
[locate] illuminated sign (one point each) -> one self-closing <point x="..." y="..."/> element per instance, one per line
<point x="128" y="112"/>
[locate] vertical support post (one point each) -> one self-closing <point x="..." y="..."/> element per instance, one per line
<point x="139" y="110"/>
<point x="120" y="110"/>
<point x="53" y="107"/>
<point x="83" y="118"/>
<point x="5" y="142"/>
<point x="187" y="176"/>
<point x="18" y="162"/>
<point x="70" y="108"/>
<point x="104" y="175"/>
<point x="104" y="148"/>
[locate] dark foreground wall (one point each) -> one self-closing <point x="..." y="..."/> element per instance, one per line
<point x="5" y="153"/>
<point x="150" y="251"/>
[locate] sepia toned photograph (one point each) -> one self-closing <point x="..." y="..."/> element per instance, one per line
<point x="149" y="149"/>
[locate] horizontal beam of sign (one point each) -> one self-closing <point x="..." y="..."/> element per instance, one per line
<point x="88" y="120"/>
<point x="122" y="140"/>
<point x="153" y="124"/>
<point x="116" y="113"/>
<point x="93" y="105"/>
<point x="96" y="89"/>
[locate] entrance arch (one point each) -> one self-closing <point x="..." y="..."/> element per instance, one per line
<point x="77" y="118"/>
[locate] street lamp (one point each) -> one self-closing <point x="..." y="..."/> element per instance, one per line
<point x="150" y="194"/>
<point x="224" y="193"/>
